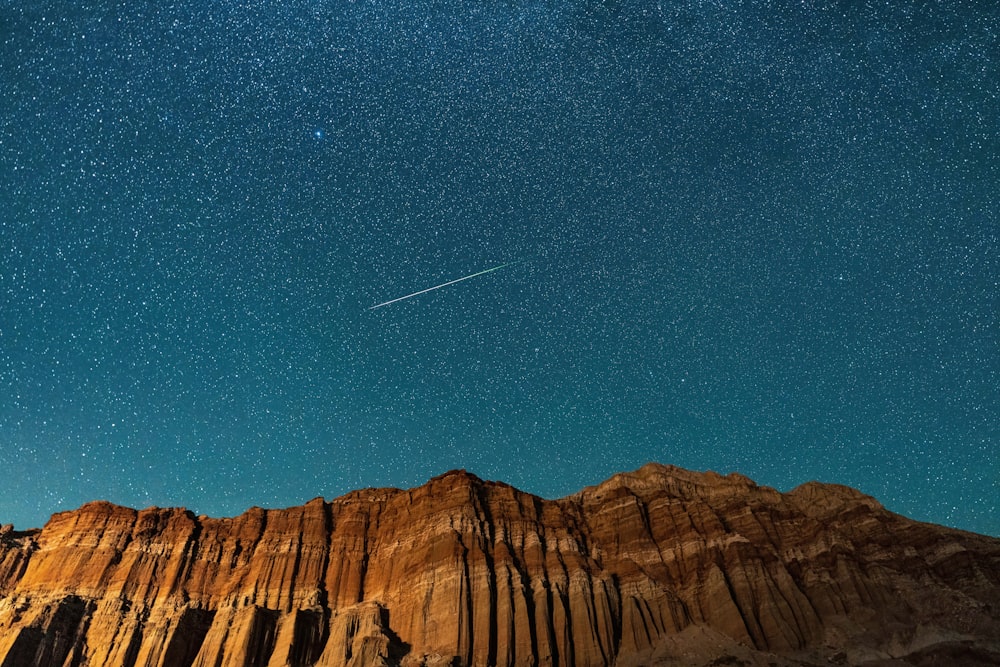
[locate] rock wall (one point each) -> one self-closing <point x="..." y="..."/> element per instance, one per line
<point x="659" y="566"/>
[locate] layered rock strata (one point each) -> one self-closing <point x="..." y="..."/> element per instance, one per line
<point x="659" y="566"/>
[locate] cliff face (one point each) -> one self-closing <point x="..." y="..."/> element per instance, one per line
<point x="659" y="566"/>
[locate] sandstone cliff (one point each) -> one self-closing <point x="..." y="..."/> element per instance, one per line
<point x="659" y="566"/>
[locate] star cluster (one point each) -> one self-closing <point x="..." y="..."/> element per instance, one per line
<point x="748" y="236"/>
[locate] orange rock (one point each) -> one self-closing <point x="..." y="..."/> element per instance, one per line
<point x="658" y="566"/>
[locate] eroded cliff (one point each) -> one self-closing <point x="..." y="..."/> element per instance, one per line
<point x="658" y="566"/>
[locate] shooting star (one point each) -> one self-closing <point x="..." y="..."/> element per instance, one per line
<point x="450" y="282"/>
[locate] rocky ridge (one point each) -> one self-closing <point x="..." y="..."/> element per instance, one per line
<point x="660" y="566"/>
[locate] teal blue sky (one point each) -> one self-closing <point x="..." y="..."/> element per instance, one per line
<point x="750" y="236"/>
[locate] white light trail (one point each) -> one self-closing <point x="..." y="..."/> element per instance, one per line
<point x="450" y="282"/>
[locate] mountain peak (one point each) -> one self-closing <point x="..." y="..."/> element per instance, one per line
<point x="659" y="565"/>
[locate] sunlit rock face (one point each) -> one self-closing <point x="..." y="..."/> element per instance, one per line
<point x="661" y="566"/>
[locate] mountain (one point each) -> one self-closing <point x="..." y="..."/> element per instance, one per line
<point x="660" y="566"/>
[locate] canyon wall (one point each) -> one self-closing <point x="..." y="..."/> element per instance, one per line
<point x="659" y="566"/>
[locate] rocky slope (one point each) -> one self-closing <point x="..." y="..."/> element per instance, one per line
<point x="661" y="566"/>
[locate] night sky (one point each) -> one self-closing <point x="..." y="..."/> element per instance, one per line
<point x="742" y="236"/>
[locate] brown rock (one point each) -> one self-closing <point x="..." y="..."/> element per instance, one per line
<point x="657" y="566"/>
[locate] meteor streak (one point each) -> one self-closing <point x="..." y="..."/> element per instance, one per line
<point x="450" y="282"/>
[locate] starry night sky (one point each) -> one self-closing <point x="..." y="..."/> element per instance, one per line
<point x="751" y="236"/>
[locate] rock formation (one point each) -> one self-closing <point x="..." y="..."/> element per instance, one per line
<point x="661" y="566"/>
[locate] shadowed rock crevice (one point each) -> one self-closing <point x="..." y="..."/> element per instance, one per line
<point x="131" y="652"/>
<point x="657" y="566"/>
<point x="310" y="634"/>
<point x="187" y="637"/>
<point x="57" y="636"/>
